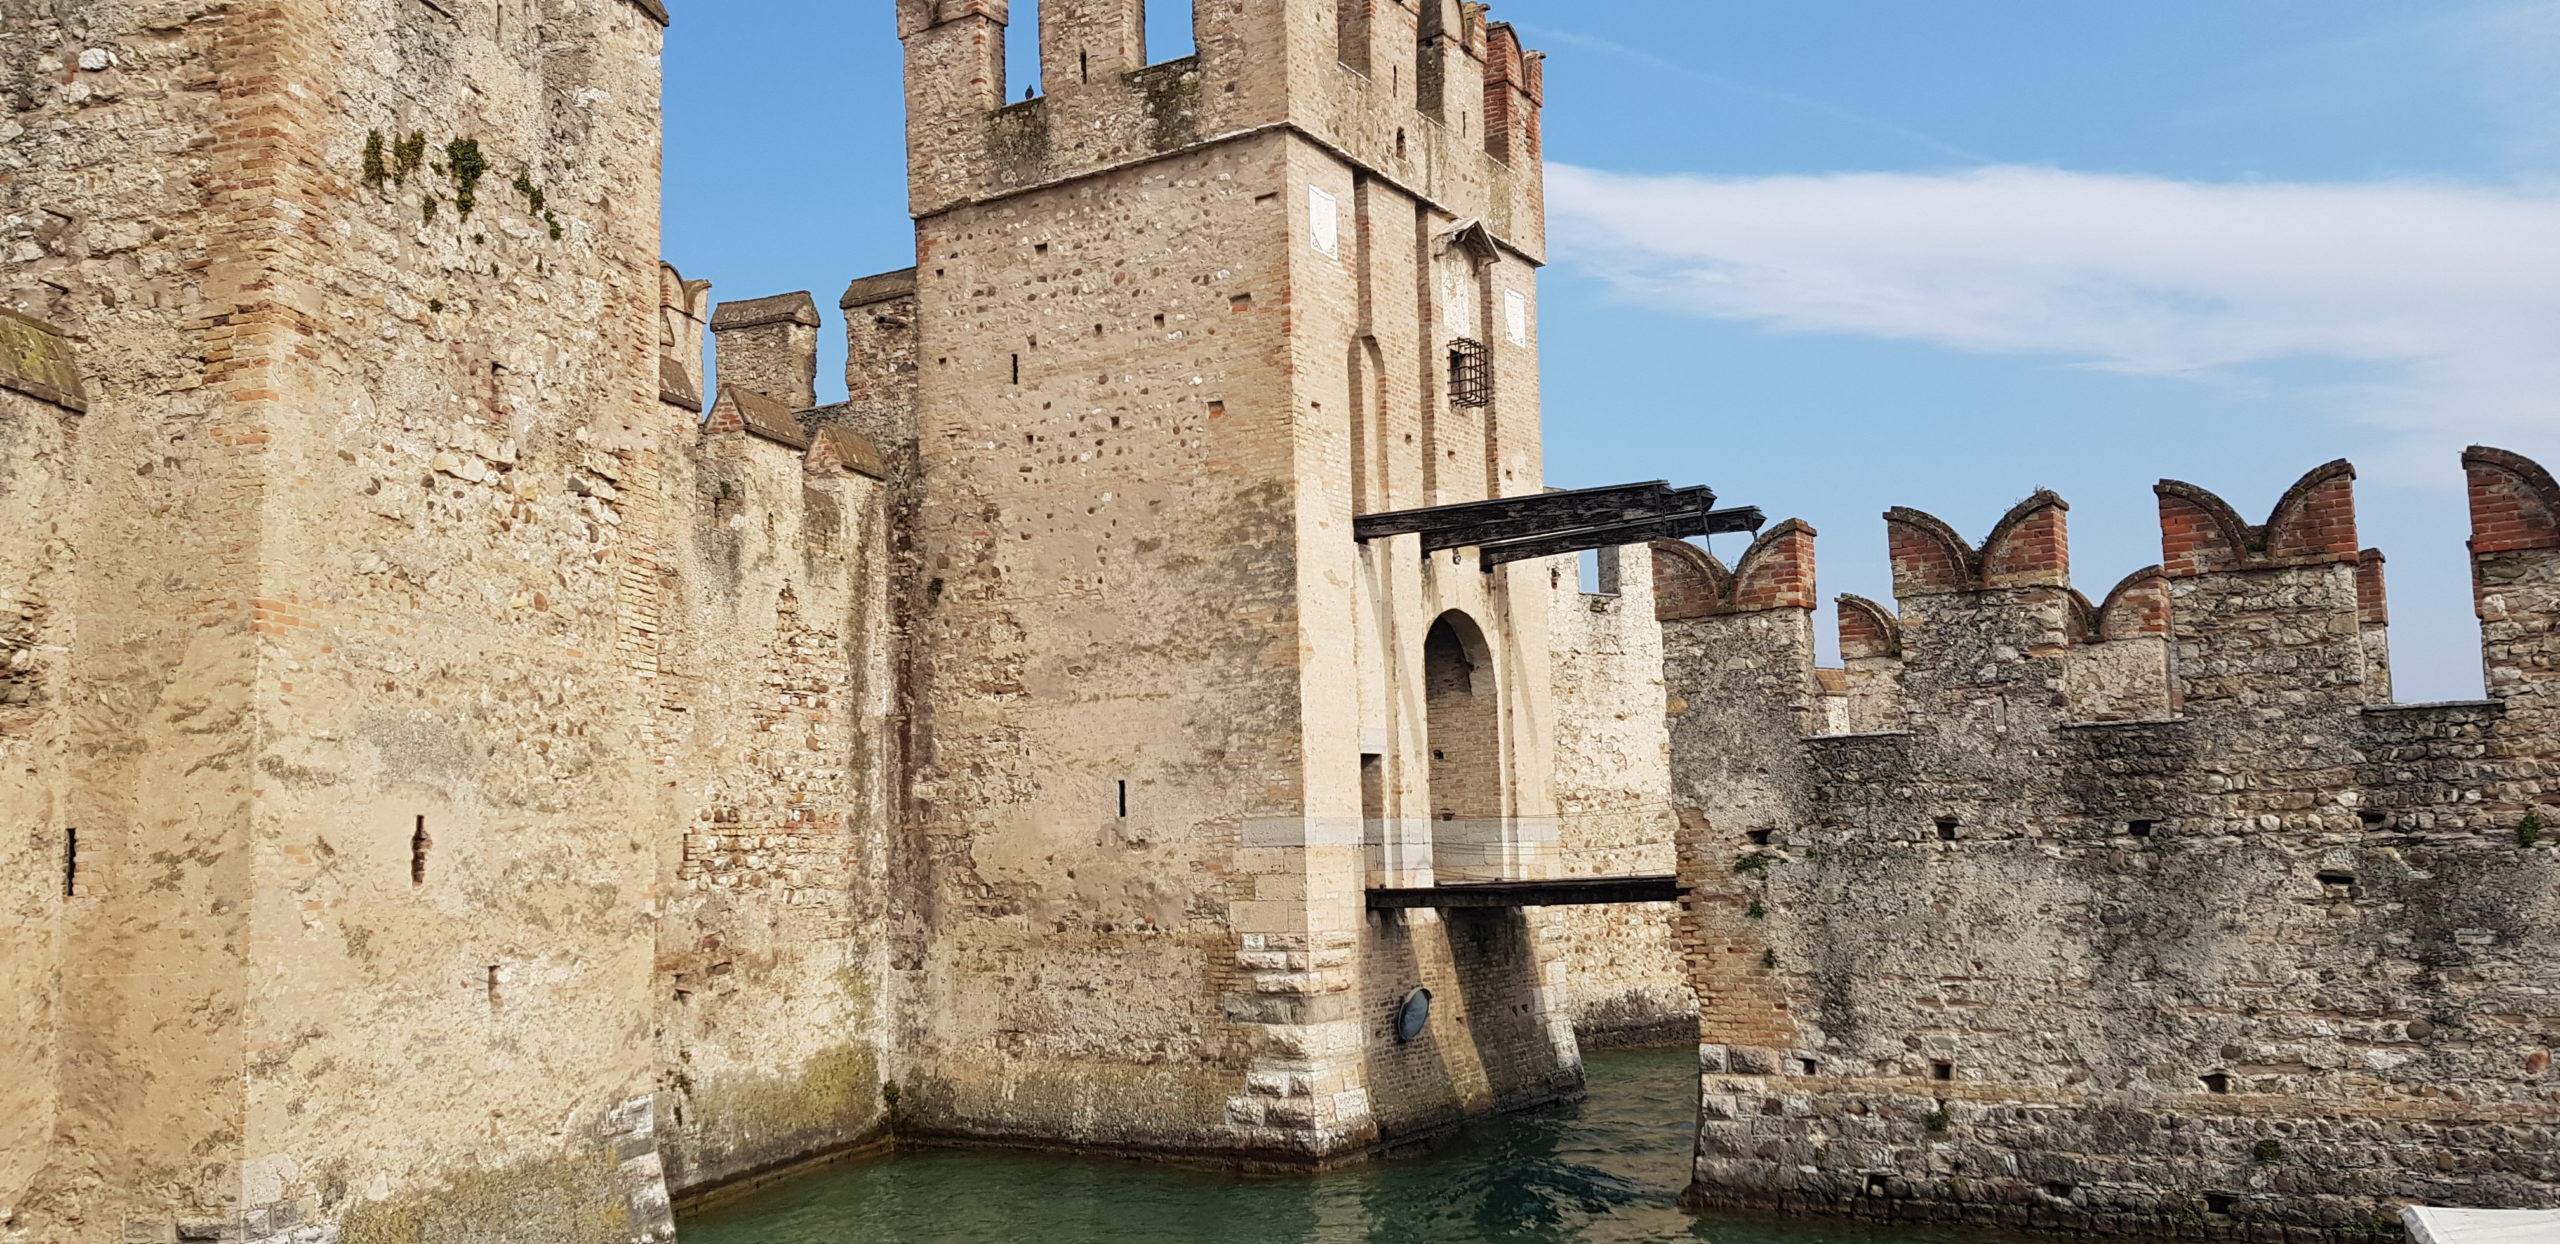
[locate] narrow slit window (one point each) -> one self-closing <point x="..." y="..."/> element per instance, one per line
<point x="1470" y="373"/>
<point x="71" y="863"/>
<point x="493" y="984"/>
<point x="418" y="844"/>
<point x="1017" y="369"/>
<point x="1124" y="799"/>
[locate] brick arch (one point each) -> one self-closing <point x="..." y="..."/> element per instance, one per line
<point x="2515" y="504"/>
<point x="2031" y="544"/>
<point x="2315" y="520"/>
<point x="2084" y="624"/>
<point x="2199" y="531"/>
<point x="1462" y="719"/>
<point x="1929" y="558"/>
<point x="1777" y="571"/>
<point x="2137" y="605"/>
<point x="1688" y="581"/>
<point x="1868" y="630"/>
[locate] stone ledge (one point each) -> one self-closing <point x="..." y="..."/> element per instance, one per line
<point x="2499" y="706"/>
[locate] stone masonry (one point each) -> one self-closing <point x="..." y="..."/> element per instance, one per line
<point x="1175" y="326"/>
<point x="2148" y="916"/>
<point x="477" y="776"/>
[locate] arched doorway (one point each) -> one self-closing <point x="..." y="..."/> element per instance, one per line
<point x="1463" y="725"/>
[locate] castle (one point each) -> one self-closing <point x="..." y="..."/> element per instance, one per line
<point x="477" y="776"/>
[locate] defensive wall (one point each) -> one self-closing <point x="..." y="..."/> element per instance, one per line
<point x="332" y="714"/>
<point x="2146" y="915"/>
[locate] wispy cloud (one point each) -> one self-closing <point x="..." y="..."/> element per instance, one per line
<point x="1748" y="90"/>
<point x="2450" y="294"/>
<point x="2508" y="49"/>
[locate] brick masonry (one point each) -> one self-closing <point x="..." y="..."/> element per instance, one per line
<point x="2150" y="916"/>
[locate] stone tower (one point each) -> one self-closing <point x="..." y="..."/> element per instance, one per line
<point x="340" y="776"/>
<point x="1180" y="323"/>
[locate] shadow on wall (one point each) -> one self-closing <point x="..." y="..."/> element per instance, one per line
<point x="1486" y="1047"/>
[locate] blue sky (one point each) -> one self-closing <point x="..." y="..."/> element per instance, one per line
<point x="1837" y="255"/>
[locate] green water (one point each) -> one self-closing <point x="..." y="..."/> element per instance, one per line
<point x="1605" y="1170"/>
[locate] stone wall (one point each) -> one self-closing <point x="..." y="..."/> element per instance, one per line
<point x="774" y="691"/>
<point x="41" y="400"/>
<point x="1613" y="778"/>
<point x="520" y="775"/>
<point x="363" y="293"/>
<point x="2145" y="916"/>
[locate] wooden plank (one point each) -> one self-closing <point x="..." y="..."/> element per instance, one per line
<point x="1570" y="892"/>
<point x="1677" y="527"/>
<point x="1604" y="501"/>
<point x="1525" y="524"/>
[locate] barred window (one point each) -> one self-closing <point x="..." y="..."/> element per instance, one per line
<point x="1470" y="373"/>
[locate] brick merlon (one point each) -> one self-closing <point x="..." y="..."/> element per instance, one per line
<point x="1929" y="558"/>
<point x="2515" y="504"/>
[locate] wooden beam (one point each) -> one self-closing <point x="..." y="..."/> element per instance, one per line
<point x="1571" y="892"/>
<point x="1556" y="510"/>
<point x="1528" y="523"/>
<point x="1676" y="527"/>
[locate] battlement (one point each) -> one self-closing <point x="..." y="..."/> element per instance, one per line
<point x="683" y="315"/>
<point x="2313" y="524"/>
<point x="2225" y="587"/>
<point x="1776" y="572"/>
<point x="769" y="346"/>
<point x="1432" y="96"/>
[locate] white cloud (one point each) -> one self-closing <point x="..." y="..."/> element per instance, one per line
<point x="2450" y="294"/>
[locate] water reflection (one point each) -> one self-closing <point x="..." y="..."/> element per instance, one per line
<point x="1605" y="1171"/>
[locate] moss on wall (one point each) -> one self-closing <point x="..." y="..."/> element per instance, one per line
<point x="735" y="1125"/>
<point x="568" y="1200"/>
<point x="1018" y="139"/>
<point x="1172" y="94"/>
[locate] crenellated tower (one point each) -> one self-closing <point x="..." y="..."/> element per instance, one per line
<point x="1176" y="325"/>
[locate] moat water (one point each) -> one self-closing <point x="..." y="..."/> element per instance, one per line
<point x="1606" y="1170"/>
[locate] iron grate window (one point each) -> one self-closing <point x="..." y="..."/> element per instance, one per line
<point x="1470" y="373"/>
